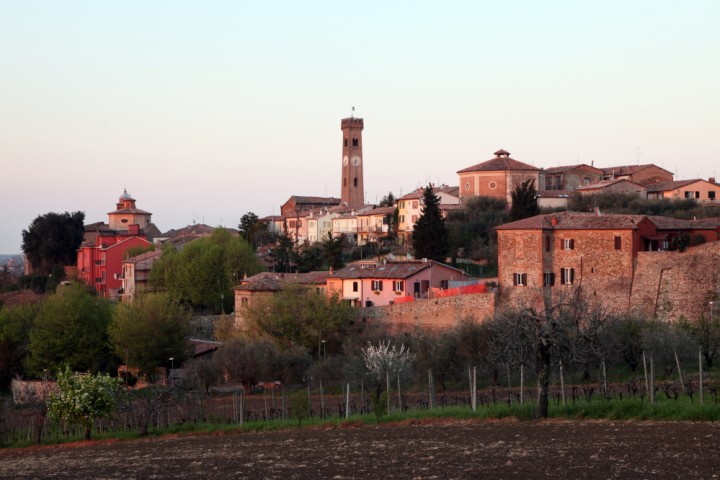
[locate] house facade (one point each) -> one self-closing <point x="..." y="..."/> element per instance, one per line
<point x="569" y="177"/>
<point x="702" y="191"/>
<point x="645" y="175"/>
<point x="617" y="185"/>
<point x="135" y="274"/>
<point x="410" y="208"/>
<point x="368" y="284"/>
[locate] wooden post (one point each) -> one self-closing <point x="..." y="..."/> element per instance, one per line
<point x="522" y="379"/>
<point x="652" y="379"/>
<point x="431" y="397"/>
<point x="677" y="362"/>
<point x="700" y="370"/>
<point x="282" y="392"/>
<point x="347" y="402"/>
<point x="242" y="407"/>
<point x="322" y="402"/>
<point x="562" y="385"/>
<point x="399" y="395"/>
<point x="605" y="384"/>
<point x="387" y="395"/>
<point x="507" y="370"/>
<point x="309" y="398"/>
<point x="362" y="395"/>
<point x="647" y="382"/>
<point x="235" y="406"/>
<point x="474" y="390"/>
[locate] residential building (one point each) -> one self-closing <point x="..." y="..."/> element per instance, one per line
<point x="367" y="284"/>
<point x="103" y="249"/>
<point x="297" y="203"/>
<point x="135" y="274"/>
<point x="646" y="175"/>
<point x="547" y="258"/>
<point x="702" y="191"/>
<point x="569" y="177"/>
<point x="374" y="225"/>
<point x="410" y="208"/>
<point x="319" y="224"/>
<point x="617" y="185"/>
<point x="497" y="177"/>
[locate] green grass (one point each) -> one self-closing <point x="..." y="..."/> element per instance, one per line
<point x="612" y="409"/>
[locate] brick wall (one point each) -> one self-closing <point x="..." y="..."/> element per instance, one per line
<point x="432" y="313"/>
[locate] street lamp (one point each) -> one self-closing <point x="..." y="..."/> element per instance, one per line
<point x="172" y="367"/>
<point x="323" y="350"/>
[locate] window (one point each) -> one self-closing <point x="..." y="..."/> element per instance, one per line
<point x="344" y="182"/>
<point x="402" y="204"/>
<point x="398" y="285"/>
<point x="568" y="244"/>
<point x="548" y="279"/>
<point x="467" y="186"/>
<point x="618" y="242"/>
<point x="711" y="195"/>
<point x="567" y="276"/>
<point x="492" y="185"/>
<point x="520" y="279"/>
<point x="355" y="142"/>
<point x="443" y="284"/>
<point x="414" y="219"/>
<point x="697" y="194"/>
<point x="377" y="285"/>
<point x="345" y="142"/>
<point x="402" y="218"/>
<point x="244" y="301"/>
<point x="355" y="286"/>
<point x="547" y="243"/>
<point x="415" y="204"/>
<point x="355" y="182"/>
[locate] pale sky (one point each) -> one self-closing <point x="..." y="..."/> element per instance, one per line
<point x="207" y="110"/>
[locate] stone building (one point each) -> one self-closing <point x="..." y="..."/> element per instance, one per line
<point x="645" y="175"/>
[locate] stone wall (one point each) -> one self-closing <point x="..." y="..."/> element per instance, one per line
<point x="431" y="313"/>
<point x="670" y="285"/>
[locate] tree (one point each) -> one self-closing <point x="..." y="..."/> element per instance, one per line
<point x="150" y="330"/>
<point x="251" y="228"/>
<point x="203" y="273"/>
<point x="82" y="399"/>
<point x="333" y="251"/>
<point x="70" y="329"/>
<point x="282" y="253"/>
<point x="53" y="239"/>
<point x="298" y="316"/>
<point x="430" y="238"/>
<point x="386" y="360"/>
<point x="471" y="230"/>
<point x="571" y="331"/>
<point x="247" y="361"/>
<point x="388" y="200"/>
<point x="15" y="325"/>
<point x="524" y="201"/>
<point x="706" y="331"/>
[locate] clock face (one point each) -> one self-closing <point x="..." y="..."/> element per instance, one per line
<point x="345" y="160"/>
<point x="355" y="161"/>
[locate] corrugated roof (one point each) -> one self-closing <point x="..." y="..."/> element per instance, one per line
<point x="501" y="162"/>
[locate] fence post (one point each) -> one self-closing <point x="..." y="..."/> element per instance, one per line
<point x="399" y="394"/>
<point x="347" y="402"/>
<point x="702" y="398"/>
<point x="387" y="397"/>
<point x="522" y="384"/>
<point x="322" y="401"/>
<point x="605" y="384"/>
<point x="652" y="379"/>
<point x="431" y="396"/>
<point x="474" y="390"/>
<point x="645" y="370"/>
<point x="677" y="362"/>
<point x="562" y="385"/>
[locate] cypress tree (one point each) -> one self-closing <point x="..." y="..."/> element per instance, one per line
<point x="430" y="237"/>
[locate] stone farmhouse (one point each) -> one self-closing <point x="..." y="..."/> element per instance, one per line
<point x="646" y="175"/>
<point x="547" y="258"/>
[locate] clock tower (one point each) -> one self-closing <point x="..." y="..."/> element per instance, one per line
<point x="352" y="191"/>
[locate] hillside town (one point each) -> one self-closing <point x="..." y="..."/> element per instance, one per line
<point x="296" y="298"/>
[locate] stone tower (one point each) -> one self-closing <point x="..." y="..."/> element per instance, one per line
<point x="353" y="193"/>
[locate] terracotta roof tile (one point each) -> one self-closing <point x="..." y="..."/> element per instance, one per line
<point x="501" y="162"/>
<point x="665" y="186"/>
<point x="575" y="221"/>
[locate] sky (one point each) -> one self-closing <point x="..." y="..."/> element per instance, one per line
<point x="206" y="110"/>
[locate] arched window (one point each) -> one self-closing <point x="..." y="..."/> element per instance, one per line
<point x="344" y="182"/>
<point x="355" y="182"/>
<point x="355" y="142"/>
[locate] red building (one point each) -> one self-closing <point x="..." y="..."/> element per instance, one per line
<point x="103" y="250"/>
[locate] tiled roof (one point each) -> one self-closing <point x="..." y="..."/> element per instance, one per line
<point x="196" y="229"/>
<point x="665" y="186"/>
<point x="628" y="169"/>
<point x="130" y="211"/>
<point x="382" y="270"/>
<point x="667" y="223"/>
<point x="316" y="200"/>
<point x="575" y="221"/>
<point x="378" y="211"/>
<point x="606" y="183"/>
<point x="272" y="281"/>
<point x="568" y="168"/>
<point x="418" y="193"/>
<point x="501" y="162"/>
<point x="147" y="258"/>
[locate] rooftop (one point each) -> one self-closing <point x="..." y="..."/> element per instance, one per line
<point x="501" y="162"/>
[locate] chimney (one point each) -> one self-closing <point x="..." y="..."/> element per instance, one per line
<point x="554" y="221"/>
<point x="711" y="180"/>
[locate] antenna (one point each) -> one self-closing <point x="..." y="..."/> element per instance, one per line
<point x="353" y="112"/>
<point x="638" y="155"/>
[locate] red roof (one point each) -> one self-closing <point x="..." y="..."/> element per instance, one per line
<point x="501" y="162"/>
<point x="401" y="270"/>
<point x="665" y="186"/>
<point x="272" y="281"/>
<point x="575" y="221"/>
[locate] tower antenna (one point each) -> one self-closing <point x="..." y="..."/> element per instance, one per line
<point x="638" y="155"/>
<point x="353" y="112"/>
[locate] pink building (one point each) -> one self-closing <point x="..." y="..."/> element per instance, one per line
<point x="370" y="284"/>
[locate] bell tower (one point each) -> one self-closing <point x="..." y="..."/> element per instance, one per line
<point x="352" y="191"/>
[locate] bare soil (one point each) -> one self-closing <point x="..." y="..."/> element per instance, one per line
<point x="454" y="450"/>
